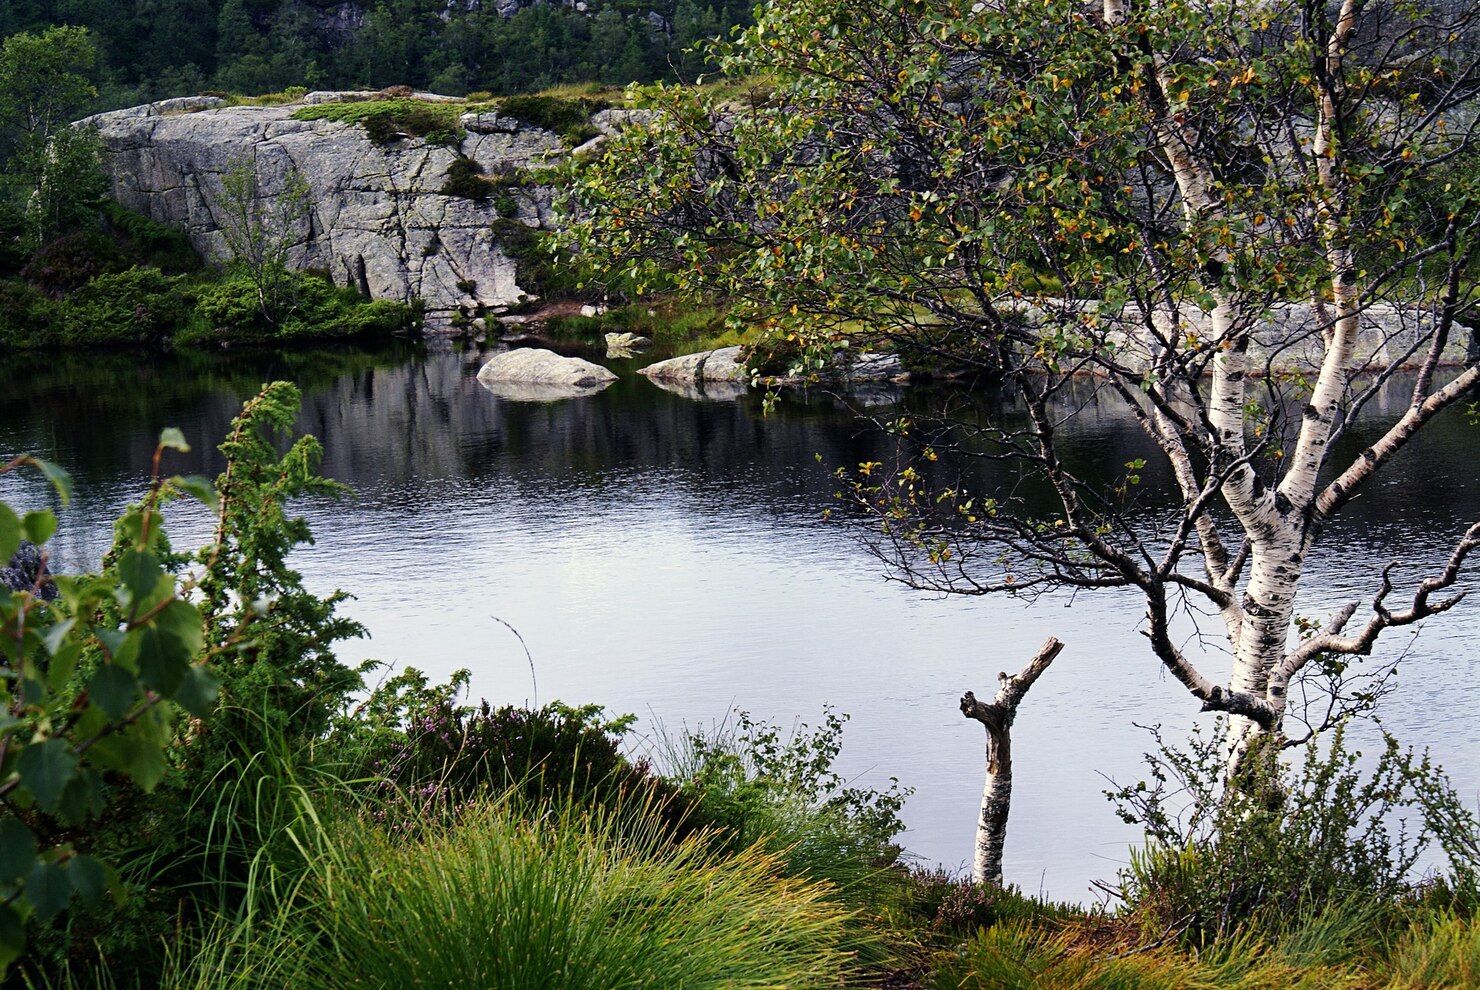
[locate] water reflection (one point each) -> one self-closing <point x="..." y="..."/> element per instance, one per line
<point x="666" y="556"/>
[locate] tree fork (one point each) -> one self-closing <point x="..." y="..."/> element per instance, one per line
<point x="991" y="827"/>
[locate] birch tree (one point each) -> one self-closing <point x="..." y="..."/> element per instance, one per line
<point x="1237" y="221"/>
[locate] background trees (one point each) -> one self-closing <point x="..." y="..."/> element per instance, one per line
<point x="158" y="48"/>
<point x="1237" y="220"/>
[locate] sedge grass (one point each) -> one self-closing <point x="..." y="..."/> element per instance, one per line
<point x="519" y="898"/>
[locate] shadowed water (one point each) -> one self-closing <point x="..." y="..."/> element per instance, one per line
<point x="667" y="557"/>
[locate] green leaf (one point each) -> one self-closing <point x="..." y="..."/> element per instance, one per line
<point x="197" y="691"/>
<point x="48" y="889"/>
<point x="83" y="797"/>
<point x="45" y="769"/>
<point x="63" y="665"/>
<point x="139" y="572"/>
<point x="113" y="690"/>
<point x="172" y="438"/>
<point x="167" y="645"/>
<point x="17" y="849"/>
<point x="196" y="486"/>
<point x="89" y="878"/>
<point x="60" y="479"/>
<point x="134" y="752"/>
<point x="39" y="525"/>
<point x="12" y="936"/>
<point x="10" y="533"/>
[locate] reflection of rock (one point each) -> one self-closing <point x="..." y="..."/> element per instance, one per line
<point x="722" y="365"/>
<point x="539" y="391"/>
<point x="711" y="391"/>
<point x="532" y="366"/>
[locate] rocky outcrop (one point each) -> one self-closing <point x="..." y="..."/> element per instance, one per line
<point x="530" y="374"/>
<point x="379" y="221"/>
<point x="26" y="571"/>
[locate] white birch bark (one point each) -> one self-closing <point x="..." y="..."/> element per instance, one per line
<point x="997" y="716"/>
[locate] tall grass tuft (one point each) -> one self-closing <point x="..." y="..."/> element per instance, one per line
<point x="1440" y="950"/>
<point x="571" y="898"/>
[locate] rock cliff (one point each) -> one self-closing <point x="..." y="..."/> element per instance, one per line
<point x="378" y="221"/>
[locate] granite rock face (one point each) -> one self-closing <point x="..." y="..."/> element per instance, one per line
<point x="379" y="221"/>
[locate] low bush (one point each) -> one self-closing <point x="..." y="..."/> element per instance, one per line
<point x="569" y="118"/>
<point x="781" y="790"/>
<point x="312" y="308"/>
<point x="1283" y="844"/>
<point x="465" y="179"/>
<point x="137" y="306"/>
<point x="449" y="757"/>
<point x="150" y="243"/>
<point x="70" y="261"/>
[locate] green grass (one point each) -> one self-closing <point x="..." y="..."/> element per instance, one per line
<point x="518" y="898"/>
<point x="385" y="120"/>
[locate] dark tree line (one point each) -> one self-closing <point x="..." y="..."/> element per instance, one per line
<point x="155" y="48"/>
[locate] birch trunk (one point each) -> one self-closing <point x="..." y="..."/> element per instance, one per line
<point x="991" y="828"/>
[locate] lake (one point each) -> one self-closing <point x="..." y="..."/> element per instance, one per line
<point x="668" y="557"/>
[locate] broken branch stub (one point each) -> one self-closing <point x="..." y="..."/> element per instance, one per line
<point x="997" y="715"/>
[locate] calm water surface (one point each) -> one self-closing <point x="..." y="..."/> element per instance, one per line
<point x="666" y="557"/>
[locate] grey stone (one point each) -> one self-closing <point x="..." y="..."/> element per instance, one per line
<point x="378" y="220"/>
<point x="722" y="365"/>
<point x="534" y="366"/>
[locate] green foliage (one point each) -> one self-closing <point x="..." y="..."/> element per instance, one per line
<point x="391" y="120"/>
<point x="447" y="757"/>
<point x="465" y="179"/>
<point x="781" y="790"/>
<point x="311" y="309"/>
<point x="261" y="228"/>
<point x="150" y="243"/>
<point x="137" y="306"/>
<point x="1282" y="845"/>
<point x="571" y="119"/>
<point x="72" y="260"/>
<point x="93" y="679"/>
<point x="229" y="788"/>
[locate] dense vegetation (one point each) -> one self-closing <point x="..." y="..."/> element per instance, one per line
<point x="150" y="50"/>
<point x="300" y="830"/>
<point x="75" y="268"/>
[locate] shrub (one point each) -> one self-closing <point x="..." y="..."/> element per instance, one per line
<point x="149" y="242"/>
<point x="782" y="791"/>
<point x="72" y="260"/>
<point x="314" y="309"/>
<point x="465" y="179"/>
<point x="506" y="206"/>
<point x="27" y="318"/>
<point x="1281" y="844"/>
<point x="449" y="757"/>
<point x="571" y="119"/>
<point x="137" y="306"/>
